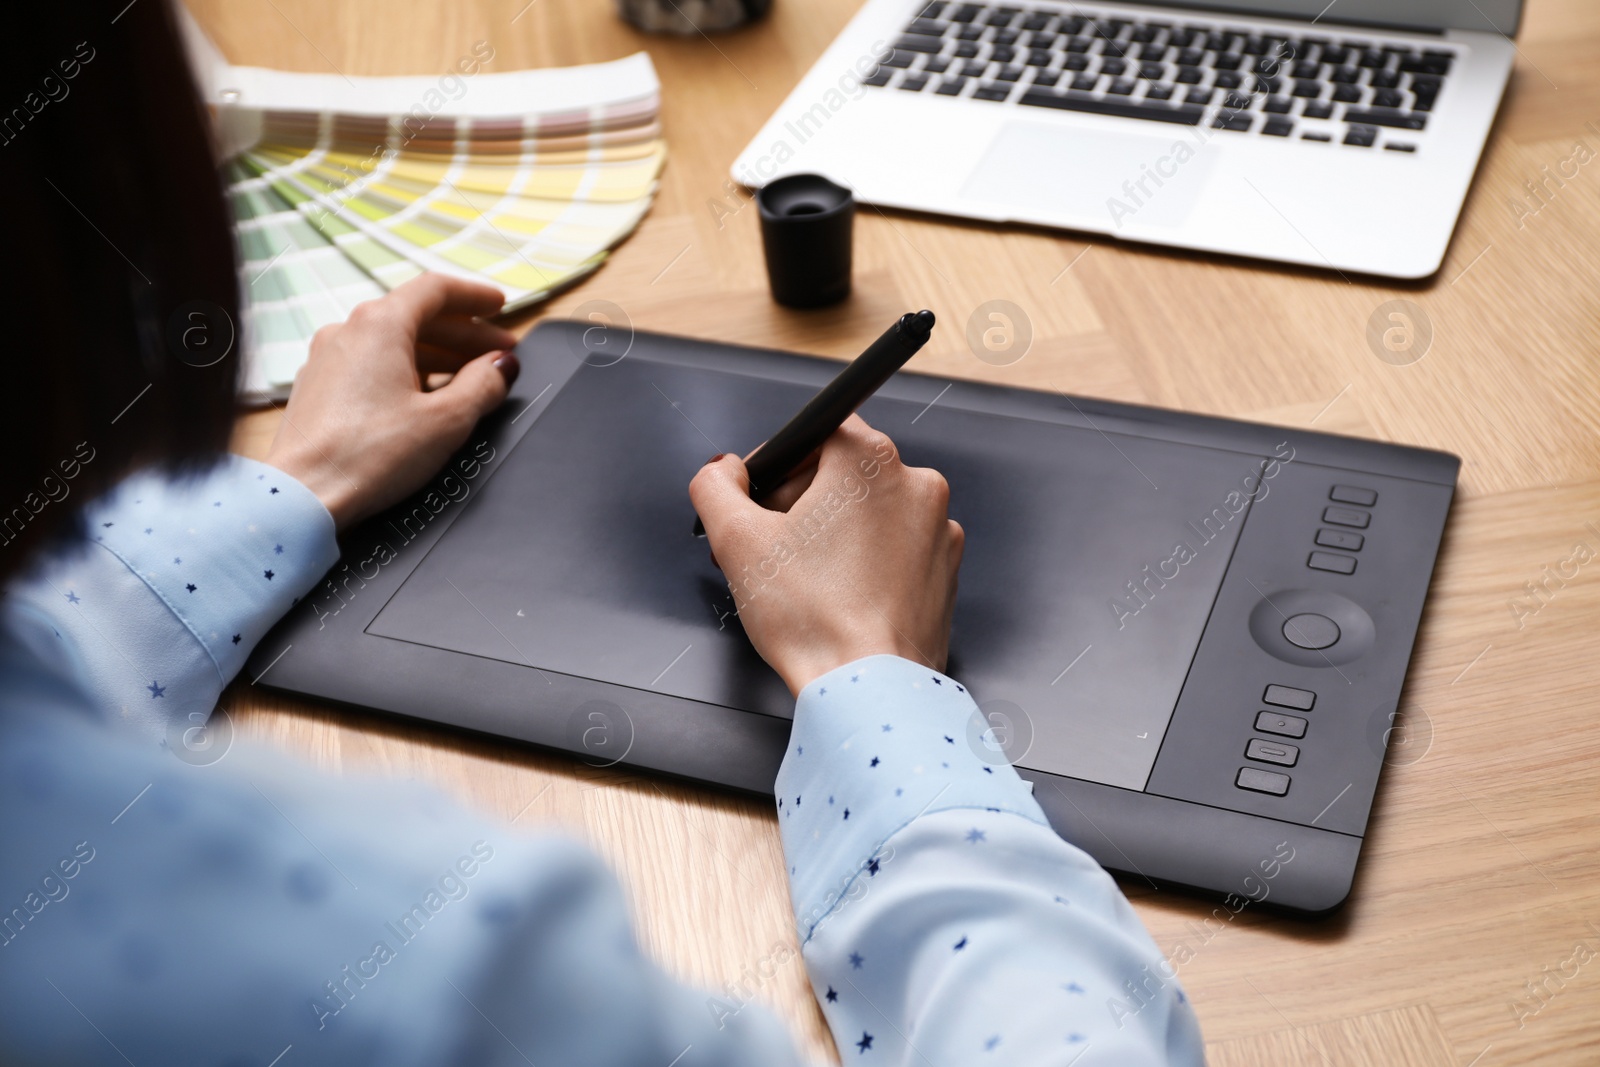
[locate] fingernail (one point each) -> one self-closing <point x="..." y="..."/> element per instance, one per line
<point x="509" y="367"/>
<point x="714" y="458"/>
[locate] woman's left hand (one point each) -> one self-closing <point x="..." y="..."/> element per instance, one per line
<point x="359" y="431"/>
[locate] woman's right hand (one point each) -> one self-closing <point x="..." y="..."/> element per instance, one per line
<point x="863" y="561"/>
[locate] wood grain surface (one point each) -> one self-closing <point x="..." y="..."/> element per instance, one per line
<point x="1473" y="931"/>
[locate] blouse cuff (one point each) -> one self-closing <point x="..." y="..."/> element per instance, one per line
<point x="229" y="550"/>
<point x="877" y="743"/>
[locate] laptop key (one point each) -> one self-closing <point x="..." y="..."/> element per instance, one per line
<point x="1075" y="63"/>
<point x="1198" y="96"/>
<point x="1121" y="87"/>
<point x="936" y="64"/>
<point x="1190" y="57"/>
<point x="1237" y="123"/>
<point x="1112" y="66"/>
<point x="1385" y="79"/>
<point x="969" y="33"/>
<point x="1008" y="74"/>
<point x="899" y="59"/>
<point x="1190" y="75"/>
<point x="1430" y="63"/>
<point x="1361" y="136"/>
<point x="1316" y="110"/>
<point x="1398" y="120"/>
<point x="991" y="92"/>
<point x="974" y="69"/>
<point x="1308" y="90"/>
<point x="1388" y="98"/>
<point x="1268" y="85"/>
<point x="1227" y="62"/>
<point x="1079" y="44"/>
<point x="1345" y="76"/>
<point x="1237" y="102"/>
<point x="951" y="86"/>
<point x="1276" y="127"/>
<point x="966" y="50"/>
<point x="965" y="13"/>
<point x="913" y="82"/>
<point x="1278" y="105"/>
<point x="1152" y="71"/>
<point x="1153" y="53"/>
<point x="1047" y="77"/>
<point x="1158" y="92"/>
<point x="1347" y="94"/>
<point x="1007" y="36"/>
<point x="1039" y="57"/>
<point x="1128" y="109"/>
<point x="1321" y="137"/>
<point x="920" y="42"/>
<point x="1227" y="79"/>
<point x="1086" y="82"/>
<point x="1003" y="54"/>
<point x="879" y="77"/>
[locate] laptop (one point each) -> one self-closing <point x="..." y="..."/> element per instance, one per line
<point x="1189" y="634"/>
<point x="1340" y="135"/>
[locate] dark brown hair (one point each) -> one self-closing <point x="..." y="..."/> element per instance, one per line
<point x="123" y="286"/>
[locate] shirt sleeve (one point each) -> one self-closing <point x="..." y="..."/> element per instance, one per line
<point x="176" y="582"/>
<point x="941" y="919"/>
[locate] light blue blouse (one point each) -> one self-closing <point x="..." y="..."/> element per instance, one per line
<point x="160" y="905"/>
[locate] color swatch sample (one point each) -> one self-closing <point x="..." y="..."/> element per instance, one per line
<point x="345" y="188"/>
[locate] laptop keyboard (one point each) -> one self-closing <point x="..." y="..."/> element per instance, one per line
<point x="1352" y="88"/>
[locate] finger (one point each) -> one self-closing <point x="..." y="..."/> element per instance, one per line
<point x="468" y="337"/>
<point x="784" y="496"/>
<point x="478" y="387"/>
<point x="432" y="295"/>
<point x="856" y="447"/>
<point x="720" y="493"/>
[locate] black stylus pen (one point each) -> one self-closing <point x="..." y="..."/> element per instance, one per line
<point x="824" y="413"/>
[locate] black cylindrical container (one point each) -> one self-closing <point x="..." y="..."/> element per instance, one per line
<point x="806" y="228"/>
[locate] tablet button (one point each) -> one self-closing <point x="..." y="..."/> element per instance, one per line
<point x="1270" y="722"/>
<point x="1329" y="561"/>
<point x="1311" y="631"/>
<point x="1348" y="540"/>
<point x="1346" y="517"/>
<point x="1262" y="781"/>
<point x="1271" y="752"/>
<point x="1350" y="494"/>
<point x="1284" y="697"/>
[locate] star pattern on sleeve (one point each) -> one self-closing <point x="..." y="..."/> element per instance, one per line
<point x="72" y="597"/>
<point x="856" y="960"/>
<point x="267" y="574"/>
<point x="975" y="835"/>
<point x="832" y="996"/>
<point x="156" y="690"/>
<point x="866" y="1041"/>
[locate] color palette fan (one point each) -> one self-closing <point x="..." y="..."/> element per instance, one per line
<point x="343" y="188"/>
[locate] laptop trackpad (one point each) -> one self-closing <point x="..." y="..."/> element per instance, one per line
<point x="1096" y="178"/>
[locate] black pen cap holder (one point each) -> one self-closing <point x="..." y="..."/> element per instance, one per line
<point x="807" y="225"/>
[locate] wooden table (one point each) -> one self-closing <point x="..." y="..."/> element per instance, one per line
<point x="1481" y="875"/>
